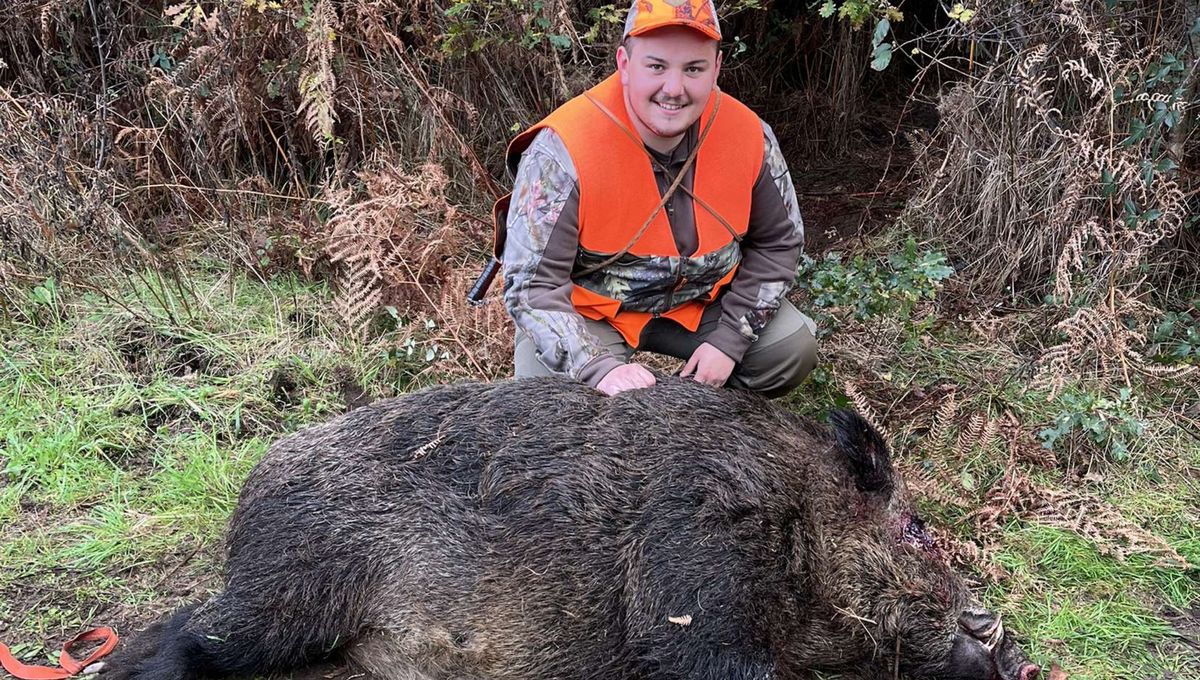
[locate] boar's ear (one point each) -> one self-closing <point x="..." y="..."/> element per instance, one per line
<point x="865" y="451"/>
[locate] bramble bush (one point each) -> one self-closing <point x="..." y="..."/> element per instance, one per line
<point x="872" y="287"/>
<point x="1112" y="424"/>
<point x="1176" y="338"/>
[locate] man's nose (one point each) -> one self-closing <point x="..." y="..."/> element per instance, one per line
<point x="673" y="84"/>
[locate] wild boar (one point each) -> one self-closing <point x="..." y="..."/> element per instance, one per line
<point x="538" y="529"/>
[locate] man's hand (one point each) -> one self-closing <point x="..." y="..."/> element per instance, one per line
<point x="708" y="365"/>
<point x="626" y="377"/>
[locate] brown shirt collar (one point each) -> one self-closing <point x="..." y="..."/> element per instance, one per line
<point x="679" y="155"/>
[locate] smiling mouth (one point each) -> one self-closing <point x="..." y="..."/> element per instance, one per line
<point x="670" y="107"/>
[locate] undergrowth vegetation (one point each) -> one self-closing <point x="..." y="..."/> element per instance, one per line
<point x="126" y="436"/>
<point x="222" y="220"/>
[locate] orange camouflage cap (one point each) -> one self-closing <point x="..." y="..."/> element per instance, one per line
<point x="648" y="15"/>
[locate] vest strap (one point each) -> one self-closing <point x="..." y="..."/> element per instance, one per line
<point x="670" y="190"/>
<point x="654" y="161"/>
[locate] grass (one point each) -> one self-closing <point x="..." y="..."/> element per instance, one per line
<point x="125" y="437"/>
<point x="124" y="440"/>
<point x="1074" y="597"/>
<point x="1103" y="617"/>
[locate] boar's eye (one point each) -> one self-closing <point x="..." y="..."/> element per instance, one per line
<point x="913" y="533"/>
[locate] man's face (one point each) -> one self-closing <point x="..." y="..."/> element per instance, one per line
<point x="668" y="75"/>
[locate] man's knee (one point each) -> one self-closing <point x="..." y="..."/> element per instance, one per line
<point x="525" y="361"/>
<point x="777" y="369"/>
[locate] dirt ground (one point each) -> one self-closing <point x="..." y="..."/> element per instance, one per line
<point x="844" y="200"/>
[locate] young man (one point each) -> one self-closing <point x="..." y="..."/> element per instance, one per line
<point x="655" y="212"/>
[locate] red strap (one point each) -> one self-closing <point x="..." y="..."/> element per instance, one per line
<point x="69" y="665"/>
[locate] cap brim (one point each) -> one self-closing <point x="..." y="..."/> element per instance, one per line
<point x="642" y="30"/>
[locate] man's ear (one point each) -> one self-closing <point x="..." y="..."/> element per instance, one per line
<point x="623" y="64"/>
<point x="720" y="56"/>
<point x="865" y="451"/>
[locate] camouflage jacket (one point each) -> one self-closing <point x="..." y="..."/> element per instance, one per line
<point x="542" y="258"/>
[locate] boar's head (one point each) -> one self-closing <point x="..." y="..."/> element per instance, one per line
<point x="876" y="564"/>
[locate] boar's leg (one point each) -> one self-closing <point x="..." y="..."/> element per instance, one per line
<point x="267" y="619"/>
<point x="229" y="635"/>
<point x="154" y="653"/>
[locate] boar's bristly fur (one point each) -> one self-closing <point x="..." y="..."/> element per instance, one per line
<point x="537" y="529"/>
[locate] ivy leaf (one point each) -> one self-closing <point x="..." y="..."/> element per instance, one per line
<point x="560" y="41"/>
<point x="881" y="30"/>
<point x="1137" y="132"/>
<point x="1129" y="207"/>
<point x="1119" y="450"/>
<point x="882" y="56"/>
<point x="961" y="14"/>
<point x="1108" y="186"/>
<point x="827" y="9"/>
<point x="1147" y="172"/>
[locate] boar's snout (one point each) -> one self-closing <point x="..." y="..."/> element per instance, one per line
<point x="983" y="651"/>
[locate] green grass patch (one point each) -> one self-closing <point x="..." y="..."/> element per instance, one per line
<point x="1097" y="616"/>
<point x="126" y="431"/>
<point x="198" y="477"/>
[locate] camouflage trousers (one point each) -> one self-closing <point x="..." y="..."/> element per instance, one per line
<point x="784" y="354"/>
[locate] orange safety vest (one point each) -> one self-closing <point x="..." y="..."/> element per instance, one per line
<point x="618" y="192"/>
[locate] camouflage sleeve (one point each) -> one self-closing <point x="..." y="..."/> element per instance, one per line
<point x="539" y="252"/>
<point x="770" y="253"/>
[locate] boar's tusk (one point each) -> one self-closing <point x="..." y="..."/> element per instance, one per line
<point x="994" y="635"/>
